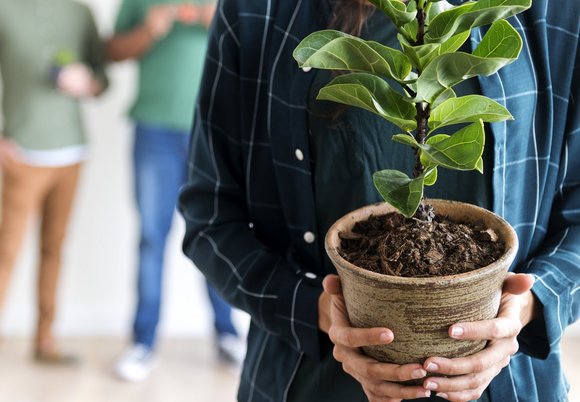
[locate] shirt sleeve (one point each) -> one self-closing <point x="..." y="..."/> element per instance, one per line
<point x="219" y="239"/>
<point x="557" y="268"/>
<point x="94" y="52"/>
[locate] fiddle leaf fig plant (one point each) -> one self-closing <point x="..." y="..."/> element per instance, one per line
<point x="412" y="87"/>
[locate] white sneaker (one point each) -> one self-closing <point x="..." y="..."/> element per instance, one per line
<point x="231" y="349"/>
<point x="136" y="363"/>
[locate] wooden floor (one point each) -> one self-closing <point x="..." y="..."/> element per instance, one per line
<point x="187" y="372"/>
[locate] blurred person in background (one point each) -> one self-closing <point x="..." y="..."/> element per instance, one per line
<point x="169" y="41"/>
<point x="50" y="57"/>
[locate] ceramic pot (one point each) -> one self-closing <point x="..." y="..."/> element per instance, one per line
<point x="419" y="311"/>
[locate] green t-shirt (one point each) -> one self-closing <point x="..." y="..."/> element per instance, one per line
<point x="32" y="34"/>
<point x="170" y="72"/>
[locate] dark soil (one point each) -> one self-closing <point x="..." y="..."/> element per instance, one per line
<point x="393" y="245"/>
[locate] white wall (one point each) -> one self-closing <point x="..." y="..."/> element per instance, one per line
<point x="97" y="289"/>
<point x="97" y="295"/>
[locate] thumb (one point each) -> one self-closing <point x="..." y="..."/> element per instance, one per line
<point x="331" y="284"/>
<point x="517" y="284"/>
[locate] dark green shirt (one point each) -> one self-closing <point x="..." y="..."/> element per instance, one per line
<point x="32" y="33"/>
<point x="170" y="72"/>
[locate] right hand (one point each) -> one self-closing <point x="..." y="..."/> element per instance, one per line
<point x="380" y="381"/>
<point x="160" y="18"/>
<point x="8" y="151"/>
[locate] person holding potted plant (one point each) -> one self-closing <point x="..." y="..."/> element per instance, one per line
<point x="168" y="39"/>
<point x="43" y="142"/>
<point x="269" y="180"/>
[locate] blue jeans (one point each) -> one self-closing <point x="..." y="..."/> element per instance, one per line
<point x="160" y="158"/>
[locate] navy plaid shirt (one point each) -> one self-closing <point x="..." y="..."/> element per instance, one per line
<point x="249" y="204"/>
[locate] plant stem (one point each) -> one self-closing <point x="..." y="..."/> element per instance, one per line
<point x="424" y="212"/>
<point x="423" y="111"/>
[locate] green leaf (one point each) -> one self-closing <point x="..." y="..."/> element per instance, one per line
<point x="450" y="69"/>
<point x="461" y="151"/>
<point x="411" y="29"/>
<point x="334" y="50"/>
<point x="467" y="109"/>
<point x="454" y="43"/>
<point x="445" y="95"/>
<point x="406" y="139"/>
<point x="425" y="161"/>
<point x="501" y="40"/>
<point x="420" y="56"/>
<point x="479" y="165"/>
<point x="396" y="10"/>
<point x="373" y="94"/>
<point x="431" y="176"/>
<point x="472" y="14"/>
<point x="399" y="190"/>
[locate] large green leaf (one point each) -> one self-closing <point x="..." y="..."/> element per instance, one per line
<point x="501" y="45"/>
<point x="421" y="55"/>
<point x="454" y="43"/>
<point x="425" y="161"/>
<point x="396" y="10"/>
<point x="373" y="94"/>
<point x="460" y="151"/>
<point x="467" y="109"/>
<point x="501" y="40"/>
<point x="472" y="14"/>
<point x="399" y="190"/>
<point x="334" y="50"/>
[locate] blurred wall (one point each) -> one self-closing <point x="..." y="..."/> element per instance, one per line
<point x="97" y="288"/>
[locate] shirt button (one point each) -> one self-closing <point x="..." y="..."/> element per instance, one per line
<point x="309" y="237"/>
<point x="299" y="154"/>
<point x="306" y="69"/>
<point x="310" y="275"/>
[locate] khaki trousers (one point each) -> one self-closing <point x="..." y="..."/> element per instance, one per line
<point x="27" y="192"/>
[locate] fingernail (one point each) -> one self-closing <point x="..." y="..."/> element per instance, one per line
<point x="442" y="395"/>
<point x="431" y="385"/>
<point x="386" y="337"/>
<point x="456" y="332"/>
<point x="432" y="367"/>
<point x="423" y="394"/>
<point x="419" y="373"/>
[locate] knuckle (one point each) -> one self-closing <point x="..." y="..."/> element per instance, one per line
<point x="475" y="381"/>
<point x="478" y="365"/>
<point x="496" y="330"/>
<point x="370" y="371"/>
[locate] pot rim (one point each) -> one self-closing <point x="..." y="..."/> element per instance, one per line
<point x="332" y="245"/>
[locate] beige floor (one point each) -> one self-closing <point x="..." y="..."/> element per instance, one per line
<point x="187" y="372"/>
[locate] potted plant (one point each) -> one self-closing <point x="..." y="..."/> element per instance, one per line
<point x="412" y="87"/>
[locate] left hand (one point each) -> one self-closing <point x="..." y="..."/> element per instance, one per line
<point x="472" y="374"/>
<point x="77" y="80"/>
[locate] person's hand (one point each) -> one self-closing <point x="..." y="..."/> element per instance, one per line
<point x="77" y="80"/>
<point x="8" y="151"/>
<point x="188" y="13"/>
<point x="380" y="381"/>
<point x="159" y="19"/>
<point x="471" y="375"/>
